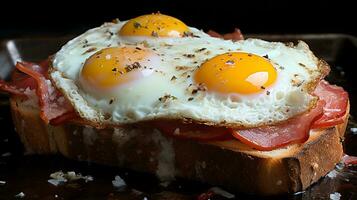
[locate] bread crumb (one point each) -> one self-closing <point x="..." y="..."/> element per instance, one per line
<point x="222" y="192"/>
<point x="20" y="195"/>
<point x="332" y="174"/>
<point x="59" y="177"/>
<point x="118" y="183"/>
<point x="335" y="196"/>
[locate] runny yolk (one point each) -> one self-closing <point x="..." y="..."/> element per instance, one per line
<point x="236" y="72"/>
<point x="115" y="66"/>
<point x="154" y="25"/>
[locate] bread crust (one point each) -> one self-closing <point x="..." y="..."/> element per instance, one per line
<point x="231" y="164"/>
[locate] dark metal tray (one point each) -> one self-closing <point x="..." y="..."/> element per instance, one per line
<point x="29" y="173"/>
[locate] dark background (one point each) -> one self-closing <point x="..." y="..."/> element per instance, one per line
<point x="23" y="19"/>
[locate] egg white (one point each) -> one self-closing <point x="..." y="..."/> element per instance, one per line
<point x="168" y="94"/>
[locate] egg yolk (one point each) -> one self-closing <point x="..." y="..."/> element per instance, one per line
<point x="236" y="72"/>
<point x="154" y="25"/>
<point x="115" y="66"/>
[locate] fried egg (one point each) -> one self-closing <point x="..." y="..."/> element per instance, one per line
<point x="156" y="67"/>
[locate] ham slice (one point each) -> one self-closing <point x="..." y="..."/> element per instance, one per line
<point x="295" y="130"/>
<point x="235" y="35"/>
<point x="336" y="104"/>
<point x="53" y="105"/>
<point x="52" y="102"/>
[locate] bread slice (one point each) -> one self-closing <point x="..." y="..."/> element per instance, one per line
<point x="230" y="164"/>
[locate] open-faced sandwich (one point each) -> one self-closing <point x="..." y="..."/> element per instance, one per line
<point x="152" y="94"/>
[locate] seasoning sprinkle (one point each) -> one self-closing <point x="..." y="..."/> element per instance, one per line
<point x="190" y="99"/>
<point x="166" y="97"/>
<point x="137" y="25"/>
<point x="230" y="62"/>
<point x="189" y="55"/>
<point x="154" y="34"/>
<point x="199" y="50"/>
<point x="89" y="50"/>
<point x="133" y="66"/>
<point x="302" y="65"/>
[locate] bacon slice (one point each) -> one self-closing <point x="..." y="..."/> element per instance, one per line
<point x="235" y="35"/>
<point x="267" y="138"/>
<point x="349" y="160"/>
<point x="336" y="104"/>
<point x="51" y="101"/>
<point x="12" y="89"/>
<point x="54" y="108"/>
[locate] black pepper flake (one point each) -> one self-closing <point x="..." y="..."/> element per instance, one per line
<point x="189" y="55"/>
<point x="138" y="48"/>
<point x="89" y="50"/>
<point x="173" y="78"/>
<point x="230" y="62"/>
<point x="266" y="56"/>
<point x="167" y="97"/>
<point x="133" y="66"/>
<point x="190" y="99"/>
<point x="289" y="44"/>
<point x="187" y="34"/>
<point x="199" y="87"/>
<point x="262" y="87"/>
<point x="114" y="69"/>
<point x="179" y="68"/>
<point x="137" y="25"/>
<point x="268" y="92"/>
<point x="111" y="101"/>
<point x="188" y="76"/>
<point x="154" y="34"/>
<point x="250" y="55"/>
<point x="109" y="32"/>
<point x="302" y="65"/>
<point x="281" y="67"/>
<point x="199" y="50"/>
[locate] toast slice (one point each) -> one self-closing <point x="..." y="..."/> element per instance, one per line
<point x="230" y="164"/>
